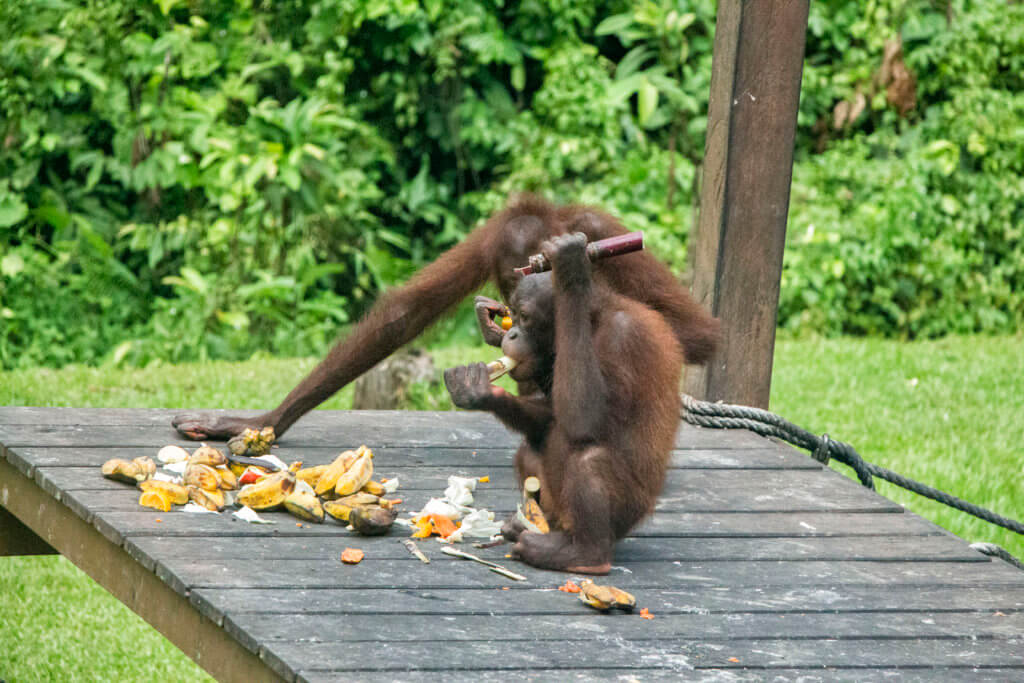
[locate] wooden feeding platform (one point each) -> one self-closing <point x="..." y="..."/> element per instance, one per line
<point x="758" y="563"/>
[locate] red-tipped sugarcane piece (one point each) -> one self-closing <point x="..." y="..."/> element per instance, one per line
<point x="612" y="246"/>
<point x="500" y="367"/>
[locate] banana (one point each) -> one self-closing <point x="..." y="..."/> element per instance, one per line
<point x="304" y="505"/>
<point x="269" y="492"/>
<point x="208" y="455"/>
<point x="311" y="475"/>
<point x="130" y="471"/>
<point x="605" y="597"/>
<point x="356" y="476"/>
<point x="533" y="517"/>
<point x="338" y="510"/>
<point x="211" y="500"/>
<point x="371" y="521"/>
<point x="329" y="477"/>
<point x="228" y="480"/>
<point x="202" y="476"/>
<point x="374" y="487"/>
<point x="360" y="498"/>
<point x="177" y="493"/>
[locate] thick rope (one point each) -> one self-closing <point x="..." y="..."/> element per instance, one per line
<point x="726" y="416"/>
<point x="994" y="550"/>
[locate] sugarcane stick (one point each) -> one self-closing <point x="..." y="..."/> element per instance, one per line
<point x="612" y="246"/>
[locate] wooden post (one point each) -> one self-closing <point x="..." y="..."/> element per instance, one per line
<point x="748" y="165"/>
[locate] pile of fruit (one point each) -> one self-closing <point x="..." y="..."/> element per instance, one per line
<point x="344" y="489"/>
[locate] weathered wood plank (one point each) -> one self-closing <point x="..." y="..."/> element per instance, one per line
<point x="679" y="656"/>
<point x="141" y="522"/>
<point x="302" y="573"/>
<point x="950" y="674"/>
<point x="584" y="624"/>
<point x="685" y="490"/>
<point x="628" y="550"/>
<point x="415" y="429"/>
<point x="714" y="579"/>
<point x="787" y="600"/>
<point x="773" y="458"/>
<point x="110" y="566"/>
<point x="364" y="420"/>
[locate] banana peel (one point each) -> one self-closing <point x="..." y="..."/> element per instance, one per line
<point x="356" y="476"/>
<point x="304" y="505"/>
<point x="129" y="471"/>
<point x="311" y="475"/>
<point x="228" y="480"/>
<point x="360" y="498"/>
<point x="211" y="500"/>
<point x="532" y="517"/>
<point x="371" y="521"/>
<point x="374" y="487"/>
<point x="605" y="598"/>
<point x="338" y="511"/>
<point x="329" y="477"/>
<point x="208" y="455"/>
<point x="202" y="476"/>
<point x="252" y="441"/>
<point x="269" y="492"/>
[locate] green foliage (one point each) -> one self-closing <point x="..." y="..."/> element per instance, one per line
<point x="916" y="230"/>
<point x="208" y="179"/>
<point x="202" y="180"/>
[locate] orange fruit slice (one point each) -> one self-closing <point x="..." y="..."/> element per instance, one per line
<point x="156" y="499"/>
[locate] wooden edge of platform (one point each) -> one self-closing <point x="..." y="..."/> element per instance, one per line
<point x="203" y="640"/>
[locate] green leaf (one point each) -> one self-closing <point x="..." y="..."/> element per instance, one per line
<point x="614" y="24"/>
<point x="631" y="63"/>
<point x="12" y="264"/>
<point x="518" y="77"/>
<point x="90" y="77"/>
<point x="620" y="91"/>
<point x="238" y="320"/>
<point x="945" y="154"/>
<point x="120" y="351"/>
<point x="647" y="101"/>
<point x="12" y="210"/>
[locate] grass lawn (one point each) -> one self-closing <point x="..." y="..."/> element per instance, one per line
<point x="949" y="413"/>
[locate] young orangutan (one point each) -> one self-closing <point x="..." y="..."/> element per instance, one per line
<point x="491" y="252"/>
<point x="600" y="422"/>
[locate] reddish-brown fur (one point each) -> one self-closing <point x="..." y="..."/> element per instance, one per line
<point x="490" y="252"/>
<point x="600" y="428"/>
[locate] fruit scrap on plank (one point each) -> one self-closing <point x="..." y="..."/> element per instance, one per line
<point x="605" y="598"/>
<point x="206" y="479"/>
<point x="352" y="556"/>
<point x="252" y="442"/>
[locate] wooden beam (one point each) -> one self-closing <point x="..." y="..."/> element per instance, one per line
<point x="748" y="164"/>
<point x="18" y="539"/>
<point x="109" y="565"/>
